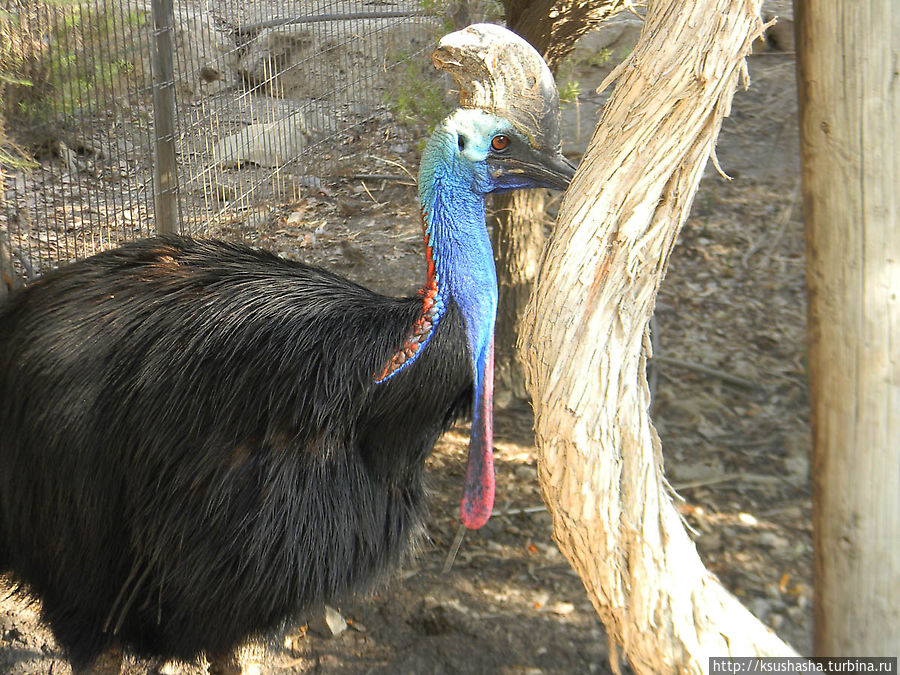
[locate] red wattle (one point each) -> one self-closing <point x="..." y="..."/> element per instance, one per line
<point x="478" y="494"/>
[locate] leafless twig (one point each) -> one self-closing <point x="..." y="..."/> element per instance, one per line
<point x="454" y="549"/>
<point x="706" y="370"/>
<point x="319" y="18"/>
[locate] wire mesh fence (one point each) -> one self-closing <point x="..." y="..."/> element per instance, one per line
<point x="119" y="118"/>
<point x="76" y="171"/>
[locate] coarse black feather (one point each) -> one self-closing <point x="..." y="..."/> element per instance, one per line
<point x="185" y="459"/>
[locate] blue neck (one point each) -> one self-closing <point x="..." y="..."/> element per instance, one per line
<point x="458" y="254"/>
<point x="455" y="229"/>
<point x="458" y="243"/>
<point x="460" y="267"/>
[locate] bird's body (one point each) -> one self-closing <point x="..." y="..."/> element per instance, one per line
<point x="188" y="332"/>
<point x="198" y="440"/>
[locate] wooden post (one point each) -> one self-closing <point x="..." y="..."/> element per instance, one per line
<point x="164" y="168"/>
<point x="9" y="280"/>
<point x="848" y="55"/>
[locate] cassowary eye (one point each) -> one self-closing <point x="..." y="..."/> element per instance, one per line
<point x="461" y="142"/>
<point x="500" y="142"/>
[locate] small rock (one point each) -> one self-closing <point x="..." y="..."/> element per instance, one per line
<point x="406" y="575"/>
<point x="295" y="218"/>
<point x="797" y="466"/>
<point x="692" y="472"/>
<point x="441" y="618"/>
<point x="526" y="472"/>
<point x="710" y="541"/>
<point x="268" y="144"/>
<point x="328" y="623"/>
<point x="797" y="614"/>
<point x="746" y="369"/>
<point x="760" y="608"/>
<point x="747" y="519"/>
<point x="334" y="620"/>
<point x="542" y="518"/>
<point x="772" y="540"/>
<point x="777" y="604"/>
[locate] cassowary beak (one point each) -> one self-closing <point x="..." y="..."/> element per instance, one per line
<point x="555" y="172"/>
<point x="560" y="172"/>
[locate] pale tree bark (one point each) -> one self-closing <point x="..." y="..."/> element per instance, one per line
<point x="553" y="28"/>
<point x="585" y="344"/>
<point x="848" y="55"/>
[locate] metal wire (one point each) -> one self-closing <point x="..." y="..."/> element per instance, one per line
<point x="265" y="99"/>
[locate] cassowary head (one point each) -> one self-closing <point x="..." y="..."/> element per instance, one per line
<point x="500" y="73"/>
<point x="492" y="155"/>
<point x="506" y="134"/>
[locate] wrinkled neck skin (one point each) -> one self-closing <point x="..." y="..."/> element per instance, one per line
<point x="460" y="266"/>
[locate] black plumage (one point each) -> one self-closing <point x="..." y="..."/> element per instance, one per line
<point x="142" y="509"/>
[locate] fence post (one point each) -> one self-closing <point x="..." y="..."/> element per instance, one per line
<point x="165" y="187"/>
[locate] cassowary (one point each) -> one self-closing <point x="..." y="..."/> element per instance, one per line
<point x="199" y="440"/>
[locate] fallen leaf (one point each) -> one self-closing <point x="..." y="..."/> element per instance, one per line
<point x="783" y="582"/>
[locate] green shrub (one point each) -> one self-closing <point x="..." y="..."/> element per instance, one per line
<point x="418" y="95"/>
<point x="64" y="63"/>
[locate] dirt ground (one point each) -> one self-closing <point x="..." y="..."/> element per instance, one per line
<point x="735" y="449"/>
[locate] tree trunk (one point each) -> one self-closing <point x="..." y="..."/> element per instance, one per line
<point x="585" y="344"/>
<point x="518" y="245"/>
<point x="850" y="130"/>
<point x="552" y="27"/>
